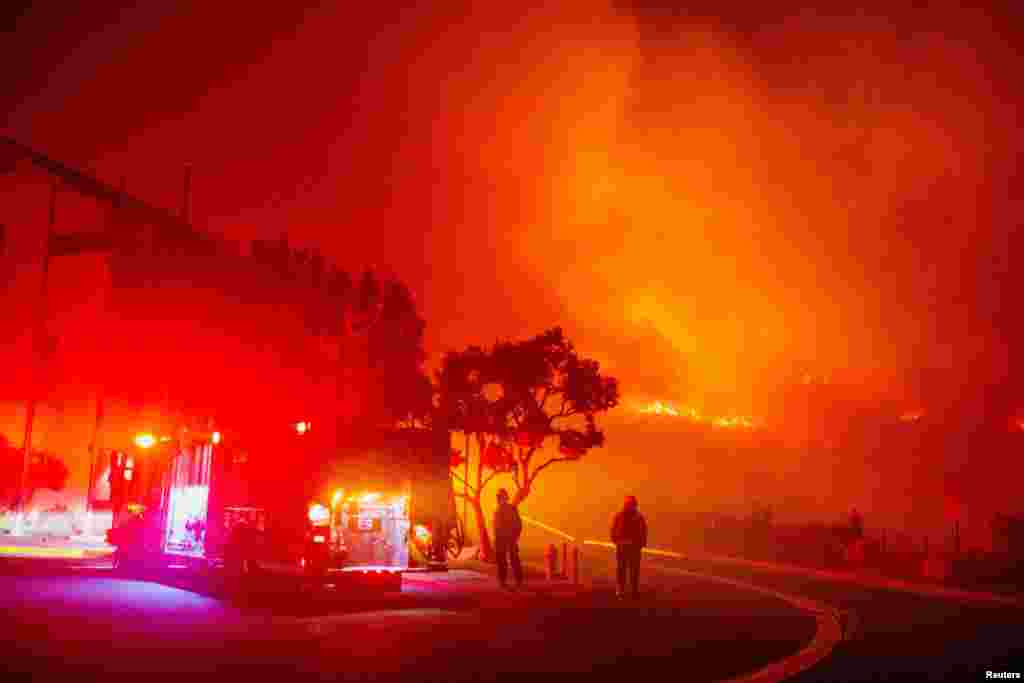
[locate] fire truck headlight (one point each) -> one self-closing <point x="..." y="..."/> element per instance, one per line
<point x="319" y="539"/>
<point x="422" y="533"/>
<point x="319" y="515"/>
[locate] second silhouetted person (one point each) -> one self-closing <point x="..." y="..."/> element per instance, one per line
<point x="507" y="528"/>
<point x="629" y="534"/>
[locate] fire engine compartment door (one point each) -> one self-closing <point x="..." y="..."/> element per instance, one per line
<point x="188" y="501"/>
<point x="373" y="527"/>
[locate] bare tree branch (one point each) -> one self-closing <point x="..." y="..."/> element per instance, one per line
<point x="529" y="456"/>
<point x="492" y="475"/>
<point x="526" y="469"/>
<point x="469" y="486"/>
<point x="547" y="395"/>
<point x="561" y="411"/>
<point x="480" y="441"/>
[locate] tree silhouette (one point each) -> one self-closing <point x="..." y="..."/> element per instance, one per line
<point x="388" y="341"/>
<point x="516" y="398"/>
<point x="298" y="337"/>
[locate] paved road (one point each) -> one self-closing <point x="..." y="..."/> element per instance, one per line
<point x="896" y="635"/>
<point x="57" y="619"/>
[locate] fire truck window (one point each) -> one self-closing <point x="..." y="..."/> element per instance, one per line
<point x="187" y="522"/>
<point x="187" y="508"/>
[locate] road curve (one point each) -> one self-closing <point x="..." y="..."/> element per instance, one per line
<point x="828" y="620"/>
<point x="892" y="633"/>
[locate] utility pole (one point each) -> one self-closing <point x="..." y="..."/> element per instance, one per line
<point x="40" y="353"/>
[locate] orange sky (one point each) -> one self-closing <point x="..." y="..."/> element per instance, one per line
<point x="679" y="199"/>
<point x="683" y="195"/>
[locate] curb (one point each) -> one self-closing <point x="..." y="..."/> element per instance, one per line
<point x="828" y="634"/>
<point x="52" y="552"/>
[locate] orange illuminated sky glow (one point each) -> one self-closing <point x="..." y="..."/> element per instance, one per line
<point x="712" y="203"/>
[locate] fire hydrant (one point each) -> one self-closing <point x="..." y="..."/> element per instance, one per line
<point x="550" y="561"/>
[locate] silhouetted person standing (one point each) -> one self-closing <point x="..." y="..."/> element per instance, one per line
<point x="507" y="528"/>
<point x="629" y="534"/>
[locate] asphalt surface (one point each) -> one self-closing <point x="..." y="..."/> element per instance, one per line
<point x="75" y="618"/>
<point x="60" y="619"/>
<point x="895" y="635"/>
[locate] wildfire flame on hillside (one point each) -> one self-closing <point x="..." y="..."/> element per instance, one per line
<point x="659" y="408"/>
<point x="727" y="422"/>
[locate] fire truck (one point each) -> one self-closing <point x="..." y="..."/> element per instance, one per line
<point x="349" y="508"/>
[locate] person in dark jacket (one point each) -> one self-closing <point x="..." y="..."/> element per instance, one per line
<point x="507" y="528"/>
<point x="629" y="534"/>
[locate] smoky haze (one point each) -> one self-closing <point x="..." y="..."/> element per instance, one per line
<point x="710" y="203"/>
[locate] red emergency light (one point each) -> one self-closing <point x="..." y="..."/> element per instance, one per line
<point x="319" y="515"/>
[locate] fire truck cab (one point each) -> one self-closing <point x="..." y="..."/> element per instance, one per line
<point x="337" y="510"/>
